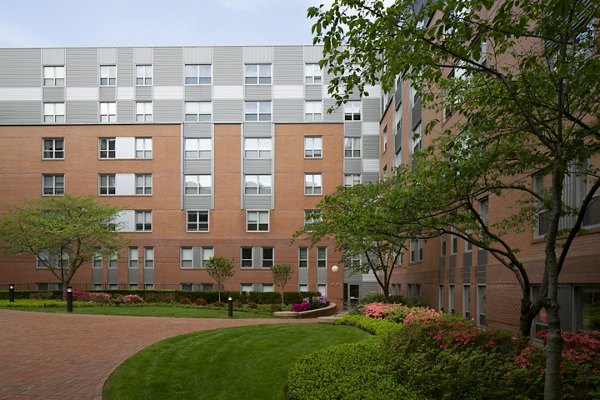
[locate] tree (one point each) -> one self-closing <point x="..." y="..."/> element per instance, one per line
<point x="281" y="275"/>
<point x="62" y="232"/>
<point x="529" y="75"/>
<point x="220" y="269"/>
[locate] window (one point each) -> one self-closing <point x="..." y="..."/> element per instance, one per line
<point x="258" y="74"/>
<point x="416" y="250"/>
<point x="106" y="184"/>
<point x="258" y="111"/>
<point x="133" y="257"/>
<point x="313" y="147"/>
<point x="589" y="302"/>
<point x="257" y="221"/>
<point x="267" y="287"/>
<point x="198" y="74"/>
<point x="107" y="147"/>
<point x="108" y="112"/>
<point x="352" y="147"/>
<point x="468" y="244"/>
<point x="196" y="185"/>
<point x="416" y="140"/>
<point x="207" y="254"/>
<point x="322" y="288"/>
<point x="443" y="245"/>
<point x="441" y="298"/>
<point x="313" y="110"/>
<point x="352" y="110"/>
<point x="385" y="139"/>
<point x="113" y="259"/>
<point x="143" y="221"/>
<point x="186" y="257"/>
<point x="197" y="221"/>
<point x="148" y="257"/>
<point x="246" y="287"/>
<point x="97" y="259"/>
<point x="352" y="180"/>
<point x="466" y="301"/>
<point x="321" y="257"/>
<point x="257" y="147"/>
<point x="303" y="257"/>
<point x="47" y="259"/>
<point x="143" y="183"/>
<point x="352" y="262"/>
<point x="198" y="111"/>
<point x="481" y="300"/>
<point x="195" y="257"/>
<point x="54" y="76"/>
<point x="453" y="243"/>
<point x="197" y="148"/>
<point x="53" y="185"/>
<point x="54" y="112"/>
<point x="483" y="214"/>
<point x="313" y="184"/>
<point x="148" y="286"/>
<point x="143" y="75"/>
<point x="143" y="147"/>
<point x="267" y="257"/>
<point x="53" y="148"/>
<point x="312" y="74"/>
<point x="451" y="298"/>
<point x="108" y="75"/>
<point x="246" y="257"/>
<point x="143" y="111"/>
<point x="311" y="216"/>
<point x="257" y="184"/>
<point x="302" y="287"/>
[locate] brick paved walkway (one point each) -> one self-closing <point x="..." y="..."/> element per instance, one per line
<point x="70" y="356"/>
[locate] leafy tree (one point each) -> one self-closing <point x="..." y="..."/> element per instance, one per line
<point x="220" y="269"/>
<point x="62" y="232"/>
<point x="522" y="77"/>
<point x="281" y="275"/>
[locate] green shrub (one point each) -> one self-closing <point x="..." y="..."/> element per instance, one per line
<point x="32" y="294"/>
<point x="371" y="325"/>
<point x="350" y="371"/>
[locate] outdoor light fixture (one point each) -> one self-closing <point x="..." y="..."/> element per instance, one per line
<point x="334" y="268"/>
<point x="11" y="293"/>
<point x="230" y="306"/>
<point x="69" y="299"/>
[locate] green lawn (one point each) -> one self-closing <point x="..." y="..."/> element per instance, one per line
<point x="234" y="363"/>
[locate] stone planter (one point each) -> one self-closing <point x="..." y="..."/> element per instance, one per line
<point x="319" y="312"/>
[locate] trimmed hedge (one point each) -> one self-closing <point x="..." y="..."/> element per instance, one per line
<point x="373" y="326"/>
<point x="33" y="294"/>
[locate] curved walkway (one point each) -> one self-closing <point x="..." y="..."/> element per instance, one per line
<point x="70" y="356"/>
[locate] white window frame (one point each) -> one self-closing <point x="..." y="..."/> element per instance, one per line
<point x="52" y="186"/>
<point x="197" y="223"/>
<point x="270" y="261"/>
<point x="258" y="74"/>
<point x="183" y="260"/>
<point x="321" y="257"/>
<point x="143" y="147"/>
<point x="258" y="111"/>
<point x="244" y="261"/>
<point x="313" y="110"/>
<point x="253" y="148"/>
<point x="143" y="184"/>
<point x="352" y="180"/>
<point x="352" y="110"/>
<point x="198" y="185"/>
<point x="258" y="185"/>
<point x="107" y="184"/>
<point x="133" y="257"/>
<point x="108" y="75"/>
<point x="195" y="74"/>
<point x="148" y="257"/>
<point x="416" y="250"/>
<point x="144" y="111"/>
<point x="144" y="74"/>
<point x="352" y="147"/>
<point x="303" y="258"/>
<point x="313" y="184"/>
<point x="313" y="146"/>
<point x="198" y="148"/>
<point x="108" y="111"/>
<point x="198" y="111"/>
<point x="52" y="151"/>
<point x="111" y="148"/>
<point x="54" y="76"/>
<point x="54" y="112"/>
<point x="255" y="221"/>
<point x="313" y="75"/>
<point x="143" y="220"/>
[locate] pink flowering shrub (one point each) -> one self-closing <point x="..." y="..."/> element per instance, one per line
<point x="131" y="299"/>
<point x="379" y="310"/>
<point x="92" y="297"/>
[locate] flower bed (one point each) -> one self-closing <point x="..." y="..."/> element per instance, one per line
<point x="310" y="308"/>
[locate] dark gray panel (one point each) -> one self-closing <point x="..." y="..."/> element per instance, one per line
<point x="125" y="67"/>
<point x="97" y="275"/>
<point x="288" y="110"/>
<point x="82" y="67"/>
<point x="168" y="66"/>
<point x="321" y="275"/>
<point x="303" y="275"/>
<point x="125" y="111"/>
<point x="371" y="110"/>
<point x="468" y="259"/>
<point x="107" y="55"/>
<point x="197" y="130"/>
<point x="352" y="166"/>
<point x="258" y="92"/>
<point x="313" y="92"/>
<point x="398" y="140"/>
<point x="199" y="167"/>
<point x="132" y="275"/>
<point x="452" y="269"/>
<point x="257" y="166"/>
<point x="108" y="94"/>
<point x="258" y="129"/>
<point x="81" y="112"/>
<point x="113" y="276"/>
<point x="257" y="202"/>
<point x="196" y="257"/>
<point x="565" y="299"/>
<point x="482" y="257"/>
<point x="416" y="112"/>
<point x="148" y="275"/>
<point x="20" y="67"/>
<point x="466" y="274"/>
<point x="198" y="93"/>
<point x="288" y="68"/>
<point x="370" y="146"/>
<point x="228" y="66"/>
<point x="258" y="55"/>
<point x="197" y="202"/>
<point x="168" y="110"/>
<point x="352" y="128"/>
<point x="257" y="258"/>
<point x="141" y="55"/>
<point x="228" y="110"/>
<point x="336" y="116"/>
<point x="197" y="55"/>
<point x="481" y="274"/>
<point x="442" y="270"/>
<point x="53" y="94"/>
<point x="367" y="287"/>
<point x="370" y="177"/>
<point x="143" y="93"/>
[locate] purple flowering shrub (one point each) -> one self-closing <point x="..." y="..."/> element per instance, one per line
<point x="311" y="304"/>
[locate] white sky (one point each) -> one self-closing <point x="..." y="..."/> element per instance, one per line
<point x="66" y="23"/>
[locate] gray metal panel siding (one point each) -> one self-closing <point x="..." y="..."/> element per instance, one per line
<point x="53" y="94"/>
<point x="313" y="92"/>
<point x="143" y="93"/>
<point x="257" y="166"/>
<point x="197" y="55"/>
<point x="108" y="94"/>
<point x="321" y="275"/>
<point x="168" y="66"/>
<point x="53" y="56"/>
<point x="482" y="257"/>
<point x="168" y="110"/>
<point x="442" y="269"/>
<point x="370" y="177"/>
<point x="398" y="141"/>
<point x="352" y="166"/>
<point x="288" y="67"/>
<point x="371" y="110"/>
<point x="125" y="67"/>
<point x="197" y="202"/>
<point x="468" y="259"/>
<point x="198" y="93"/>
<point x="258" y="92"/>
<point x="107" y="56"/>
<point x="82" y="67"/>
<point x="452" y="269"/>
<point x="313" y="54"/>
<point x="565" y="299"/>
<point x="196" y="257"/>
<point x="228" y="66"/>
<point x="352" y="129"/>
<point x="370" y="147"/>
<point x="288" y="110"/>
<point x="257" y="258"/>
<point x="228" y="110"/>
<point x="336" y="116"/>
<point x="148" y="275"/>
<point x="326" y="76"/>
<point x="481" y="274"/>
<point x="256" y="202"/>
<point x="20" y="67"/>
<point x="113" y="276"/>
<point x="97" y="275"/>
<point x="79" y="112"/>
<point x="258" y="129"/>
<point x="125" y="111"/>
<point x="22" y="112"/>
<point x="197" y="130"/>
<point x="142" y="55"/>
<point x="258" y="54"/>
<point x="132" y="275"/>
<point x="302" y="275"/>
<point x="466" y="274"/>
<point x="367" y="287"/>
<point x="201" y="167"/>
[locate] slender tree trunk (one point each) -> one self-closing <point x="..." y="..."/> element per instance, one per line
<point x="527" y="315"/>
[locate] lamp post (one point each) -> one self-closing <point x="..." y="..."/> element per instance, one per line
<point x="69" y="299"/>
<point x="230" y="307"/>
<point x="11" y="293"/>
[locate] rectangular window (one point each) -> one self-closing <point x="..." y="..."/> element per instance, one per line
<point x="53" y="148"/>
<point x="207" y="254"/>
<point x="108" y="112"/>
<point x="186" y="257"/>
<point x="108" y="75"/>
<point x="198" y="148"/>
<point x="50" y="260"/>
<point x="312" y="74"/>
<point x="257" y="111"/>
<point x="143" y="75"/>
<point x="113" y="260"/>
<point x="107" y="148"/>
<point x="257" y="184"/>
<point x="453" y="243"/>
<point x="197" y="221"/>
<point x="321" y="257"/>
<point x="54" y="112"/>
<point x="54" y="76"/>
<point x="416" y="250"/>
<point x="133" y="257"/>
<point x="481" y="300"/>
<point x="313" y="184"/>
<point x="466" y="301"/>
<point x="589" y="303"/>
<point x="246" y="257"/>
<point x="97" y="260"/>
<point x="416" y="141"/>
<point x="198" y="111"/>
<point x="246" y="287"/>
<point x="352" y="180"/>
<point x="258" y="74"/>
<point x="313" y="110"/>
<point x="257" y="221"/>
<point x="468" y="245"/>
<point x="352" y="146"/>
<point x="484" y="207"/>
<point x="53" y="185"/>
<point x="352" y="110"/>
<point x="267" y="257"/>
<point x="148" y="286"/>
<point x="258" y="147"/>
<point x="143" y="111"/>
<point x="148" y="257"/>
<point x="313" y="147"/>
<point x="303" y="257"/>
<point x="443" y="245"/>
<point x="267" y="287"/>
<point x="198" y="74"/>
<point x="143" y="221"/>
<point x="322" y="288"/>
<point x="143" y="147"/>
<point x="106" y="184"/>
<point x="311" y="216"/>
<point x="385" y="139"/>
<point x="143" y="183"/>
<point x="197" y="185"/>
<point x="451" y="298"/>
<point x="302" y="287"/>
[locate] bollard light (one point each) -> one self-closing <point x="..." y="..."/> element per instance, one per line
<point x="11" y="293"/>
<point x="230" y="307"/>
<point x="69" y="299"/>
